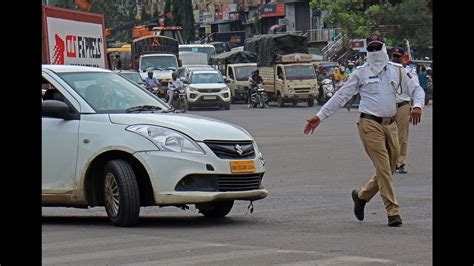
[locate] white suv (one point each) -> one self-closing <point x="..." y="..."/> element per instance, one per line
<point x="207" y="88"/>
<point x="106" y="142"/>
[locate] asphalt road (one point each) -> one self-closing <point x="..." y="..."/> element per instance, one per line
<point x="306" y="219"/>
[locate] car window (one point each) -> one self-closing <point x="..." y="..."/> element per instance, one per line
<point x="206" y="78"/>
<point x="109" y="92"/>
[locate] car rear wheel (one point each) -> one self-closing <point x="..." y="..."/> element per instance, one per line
<point x="215" y="209"/>
<point x="121" y="193"/>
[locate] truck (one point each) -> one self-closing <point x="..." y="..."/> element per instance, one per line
<point x="73" y="38"/>
<point x="285" y="66"/>
<point x="235" y="37"/>
<point x="237" y="67"/>
<point x="192" y="58"/>
<point x="157" y="52"/>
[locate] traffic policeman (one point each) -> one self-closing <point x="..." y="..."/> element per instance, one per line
<point x="402" y="118"/>
<point x="376" y="81"/>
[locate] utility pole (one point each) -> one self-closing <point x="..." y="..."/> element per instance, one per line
<point x="139" y="10"/>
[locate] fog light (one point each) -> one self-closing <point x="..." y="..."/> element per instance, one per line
<point x="226" y="95"/>
<point x="197" y="183"/>
<point x="192" y="95"/>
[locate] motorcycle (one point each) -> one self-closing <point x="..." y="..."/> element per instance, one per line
<point x="258" y="97"/>
<point x="159" y="91"/>
<point x="180" y="100"/>
<point x="326" y="91"/>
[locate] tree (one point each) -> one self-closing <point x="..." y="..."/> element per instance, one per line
<point x="355" y="19"/>
<point x="115" y="14"/>
<point x="183" y="16"/>
<point x="411" y="20"/>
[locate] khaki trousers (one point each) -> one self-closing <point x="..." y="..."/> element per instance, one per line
<point x="403" y="123"/>
<point x="381" y="144"/>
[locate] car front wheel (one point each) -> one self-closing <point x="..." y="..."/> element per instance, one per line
<point x="121" y="193"/>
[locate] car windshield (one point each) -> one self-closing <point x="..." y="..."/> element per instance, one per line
<point x="207" y="50"/>
<point x="135" y="77"/>
<point x="109" y="92"/>
<point x="206" y="78"/>
<point x="244" y="72"/>
<point x="300" y="72"/>
<point x="158" y="62"/>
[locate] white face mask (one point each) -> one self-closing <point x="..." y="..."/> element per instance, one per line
<point x="377" y="60"/>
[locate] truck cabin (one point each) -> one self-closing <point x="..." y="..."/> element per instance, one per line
<point x="158" y="62"/>
<point x="241" y="72"/>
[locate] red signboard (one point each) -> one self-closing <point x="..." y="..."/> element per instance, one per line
<point x="272" y="10"/>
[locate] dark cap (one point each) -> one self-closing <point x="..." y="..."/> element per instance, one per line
<point x="375" y="39"/>
<point x="398" y="51"/>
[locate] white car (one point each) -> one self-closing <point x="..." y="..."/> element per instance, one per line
<point x="106" y="142"/>
<point x="207" y="88"/>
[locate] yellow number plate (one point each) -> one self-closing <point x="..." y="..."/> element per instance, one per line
<point x="242" y="167"/>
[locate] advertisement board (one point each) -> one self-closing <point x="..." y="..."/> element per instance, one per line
<point x="73" y="38"/>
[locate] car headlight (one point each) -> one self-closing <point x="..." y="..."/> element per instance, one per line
<point x="167" y="139"/>
<point x="260" y="157"/>
<point x="225" y="89"/>
<point x="192" y="89"/>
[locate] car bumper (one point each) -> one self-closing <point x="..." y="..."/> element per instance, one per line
<point x="203" y="99"/>
<point x="168" y="169"/>
<point x="301" y="97"/>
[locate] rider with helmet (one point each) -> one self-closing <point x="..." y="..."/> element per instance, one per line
<point x="173" y="86"/>
<point x="254" y="80"/>
<point x="150" y="81"/>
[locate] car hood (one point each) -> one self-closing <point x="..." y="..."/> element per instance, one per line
<point x="199" y="128"/>
<point x="208" y="85"/>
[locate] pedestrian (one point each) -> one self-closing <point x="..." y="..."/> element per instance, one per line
<point x="402" y="118"/>
<point x="377" y="130"/>
<point x="423" y="79"/>
<point x="350" y="68"/>
<point x="118" y="62"/>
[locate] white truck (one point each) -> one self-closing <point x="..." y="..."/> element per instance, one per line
<point x="237" y="67"/>
<point x="157" y="52"/>
<point x="285" y="66"/>
<point x="192" y="58"/>
<point x="291" y="79"/>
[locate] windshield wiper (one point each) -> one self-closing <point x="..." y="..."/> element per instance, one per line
<point x="141" y="108"/>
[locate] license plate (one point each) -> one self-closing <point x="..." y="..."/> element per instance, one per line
<point x="210" y="97"/>
<point x="242" y="166"/>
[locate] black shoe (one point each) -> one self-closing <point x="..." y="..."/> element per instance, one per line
<point x="394" y="220"/>
<point x="359" y="205"/>
<point x="401" y="169"/>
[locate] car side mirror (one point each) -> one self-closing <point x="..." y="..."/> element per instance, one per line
<point x="57" y="109"/>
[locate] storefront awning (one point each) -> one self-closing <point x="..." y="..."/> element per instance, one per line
<point x="223" y="22"/>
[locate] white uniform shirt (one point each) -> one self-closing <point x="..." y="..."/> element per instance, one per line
<point x="175" y="84"/>
<point x="404" y="97"/>
<point x="377" y="93"/>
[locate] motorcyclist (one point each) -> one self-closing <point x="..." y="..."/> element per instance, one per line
<point x="350" y="68"/>
<point x="254" y="80"/>
<point x="322" y="75"/>
<point x="173" y="86"/>
<point x="151" y="82"/>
